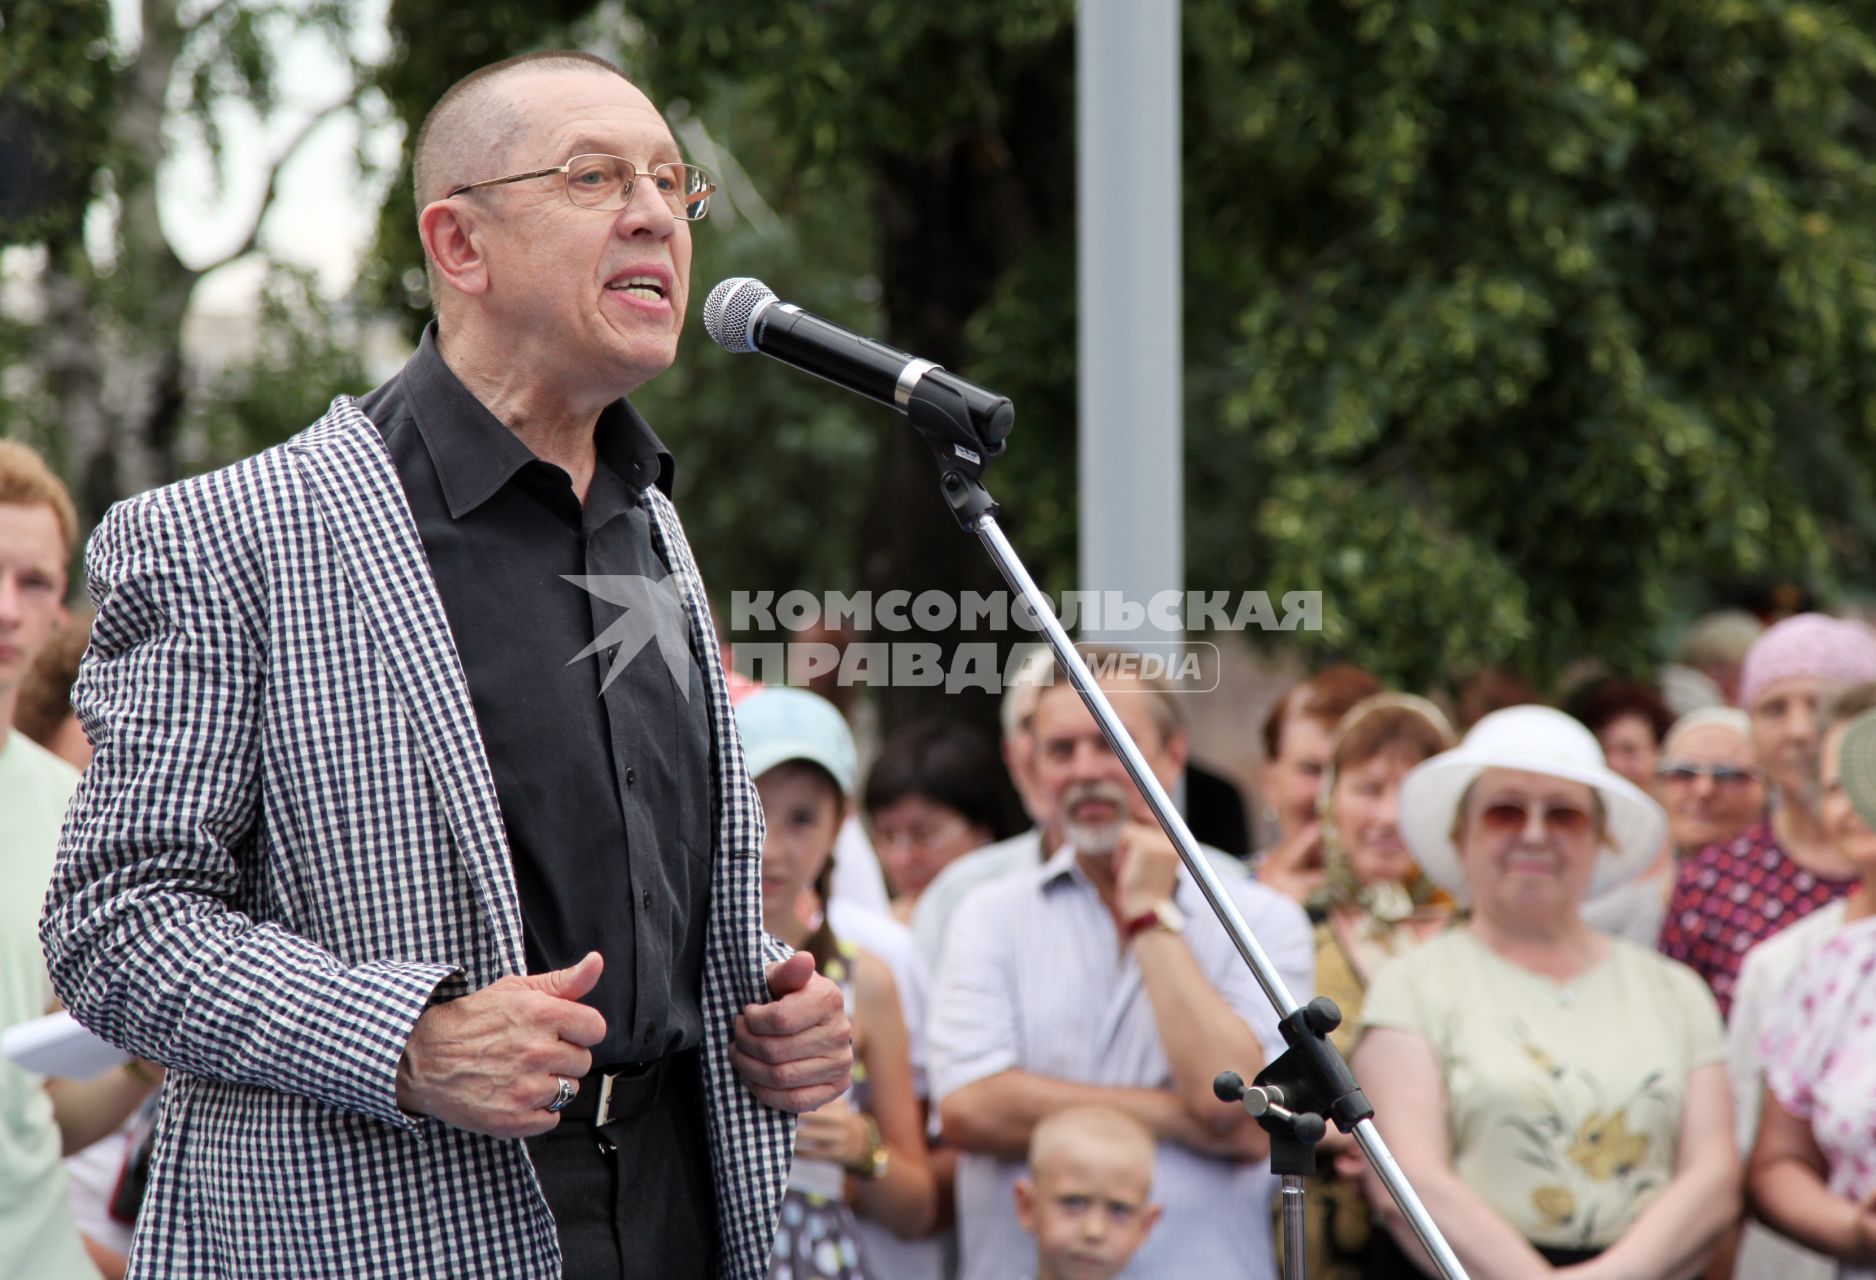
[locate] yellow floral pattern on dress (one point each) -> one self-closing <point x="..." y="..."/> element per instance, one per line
<point x="1604" y="1147"/>
<point x="1587" y="1144"/>
<point x="1555" y="1203"/>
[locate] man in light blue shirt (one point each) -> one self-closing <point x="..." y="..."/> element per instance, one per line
<point x="1101" y="977"/>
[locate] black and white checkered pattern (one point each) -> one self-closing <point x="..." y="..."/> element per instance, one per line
<point x="289" y="840"/>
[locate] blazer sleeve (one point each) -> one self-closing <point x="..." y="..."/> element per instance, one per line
<point x="142" y="936"/>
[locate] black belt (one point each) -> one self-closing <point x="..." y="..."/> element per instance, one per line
<point x="617" y="1092"/>
<point x="612" y="1095"/>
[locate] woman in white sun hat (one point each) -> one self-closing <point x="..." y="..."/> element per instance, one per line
<point x="1557" y="1096"/>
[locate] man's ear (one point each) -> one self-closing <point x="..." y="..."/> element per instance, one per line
<point x="450" y="232"/>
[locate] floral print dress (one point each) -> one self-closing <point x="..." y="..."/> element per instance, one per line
<point x="816" y="1238"/>
<point x="1563" y="1100"/>
<point x="1820" y="1059"/>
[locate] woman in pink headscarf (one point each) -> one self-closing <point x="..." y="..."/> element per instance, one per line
<point x="1729" y="896"/>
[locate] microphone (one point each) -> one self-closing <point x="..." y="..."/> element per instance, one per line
<point x="743" y="314"/>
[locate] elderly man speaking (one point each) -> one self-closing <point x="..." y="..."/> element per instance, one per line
<point x="405" y="842"/>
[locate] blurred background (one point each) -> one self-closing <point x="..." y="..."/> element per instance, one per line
<point x="1524" y="331"/>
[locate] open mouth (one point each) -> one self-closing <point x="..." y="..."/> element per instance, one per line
<point x="644" y="287"/>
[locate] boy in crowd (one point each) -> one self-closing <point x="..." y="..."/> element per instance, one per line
<point x="1087" y="1197"/>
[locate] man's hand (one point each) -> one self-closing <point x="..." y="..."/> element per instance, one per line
<point x="796" y="1052"/>
<point x="487" y="1062"/>
<point x="1146" y="869"/>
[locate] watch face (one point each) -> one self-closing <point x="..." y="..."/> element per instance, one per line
<point x="1170" y="917"/>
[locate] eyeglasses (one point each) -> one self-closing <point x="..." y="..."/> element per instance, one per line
<point x="1686" y="774"/>
<point x="1506" y="817"/>
<point x="605" y="182"/>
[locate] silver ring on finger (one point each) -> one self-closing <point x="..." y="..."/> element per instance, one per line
<point x="563" y="1097"/>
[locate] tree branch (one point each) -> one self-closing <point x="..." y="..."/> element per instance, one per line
<point x="250" y="241"/>
<point x="208" y="16"/>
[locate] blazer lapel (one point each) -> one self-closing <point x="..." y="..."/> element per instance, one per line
<point x="346" y="467"/>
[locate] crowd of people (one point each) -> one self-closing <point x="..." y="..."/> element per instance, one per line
<point x="1604" y="971"/>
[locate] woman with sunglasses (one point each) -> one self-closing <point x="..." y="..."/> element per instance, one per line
<point x="1712" y="790"/>
<point x="1729" y="897"/>
<point x="1557" y="1096"/>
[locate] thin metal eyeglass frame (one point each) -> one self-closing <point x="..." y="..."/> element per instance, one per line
<point x="625" y="193"/>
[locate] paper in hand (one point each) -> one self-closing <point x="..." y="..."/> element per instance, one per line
<point x="56" y="1045"/>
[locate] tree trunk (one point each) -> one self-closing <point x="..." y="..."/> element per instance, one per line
<point x="951" y="225"/>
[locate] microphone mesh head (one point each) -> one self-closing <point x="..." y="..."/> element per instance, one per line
<point x="729" y="309"/>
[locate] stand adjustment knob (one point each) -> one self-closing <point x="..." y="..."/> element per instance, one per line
<point x="1323" y="1015"/>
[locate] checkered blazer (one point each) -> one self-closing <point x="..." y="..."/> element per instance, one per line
<point x="289" y="840"/>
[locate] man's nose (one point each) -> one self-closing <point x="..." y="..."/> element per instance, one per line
<point x="645" y="209"/>
<point x="1534" y="830"/>
<point x="11" y="609"/>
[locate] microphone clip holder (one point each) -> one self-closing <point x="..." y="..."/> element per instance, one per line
<point x="963" y="442"/>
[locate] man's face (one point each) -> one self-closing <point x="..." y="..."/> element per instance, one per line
<point x="1088" y="1210"/>
<point x="1079" y="778"/>
<point x="559" y="273"/>
<point x="32" y="587"/>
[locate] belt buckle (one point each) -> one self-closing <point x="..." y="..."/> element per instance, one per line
<point x="602" y="1115"/>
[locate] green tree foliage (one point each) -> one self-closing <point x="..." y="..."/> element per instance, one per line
<point x="92" y="366"/>
<point x="1542" y="312"/>
<point x="1511" y="326"/>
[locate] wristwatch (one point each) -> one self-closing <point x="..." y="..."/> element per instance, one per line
<point x="1162" y="915"/>
<point x="872" y="1166"/>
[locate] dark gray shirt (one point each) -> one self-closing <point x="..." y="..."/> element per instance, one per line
<point x="606" y="795"/>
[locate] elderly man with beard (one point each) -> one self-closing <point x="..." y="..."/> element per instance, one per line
<point x="1102" y="978"/>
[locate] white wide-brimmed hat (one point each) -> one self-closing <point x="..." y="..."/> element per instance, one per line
<point x="1533" y="740"/>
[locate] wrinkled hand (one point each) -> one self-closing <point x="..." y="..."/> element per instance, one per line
<point x="1146" y="869"/>
<point x="487" y="1062"/>
<point x="1294" y="868"/>
<point x="836" y="1132"/>
<point x="796" y="1051"/>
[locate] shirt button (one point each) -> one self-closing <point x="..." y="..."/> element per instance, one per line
<point x="647" y="899"/>
<point x="631" y="777"/>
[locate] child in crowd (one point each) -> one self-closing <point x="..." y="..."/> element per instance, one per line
<point x="865" y="1149"/>
<point x="1087" y="1199"/>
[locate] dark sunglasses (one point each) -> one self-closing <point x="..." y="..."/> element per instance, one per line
<point x="1723" y="775"/>
<point x="1508" y="817"/>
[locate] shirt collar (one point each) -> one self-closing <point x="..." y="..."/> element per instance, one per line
<point x="475" y="455"/>
<point x="1061" y="865"/>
